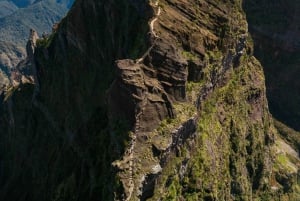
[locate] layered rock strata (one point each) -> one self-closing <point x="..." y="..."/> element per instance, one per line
<point x="144" y="100"/>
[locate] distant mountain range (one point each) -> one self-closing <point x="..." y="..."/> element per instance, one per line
<point x="6" y="8"/>
<point x="17" y="17"/>
<point x="15" y="4"/>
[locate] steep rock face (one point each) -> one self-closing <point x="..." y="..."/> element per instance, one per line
<point x="276" y="35"/>
<point x="138" y="96"/>
<point x="25" y="71"/>
<point x="65" y="126"/>
<point x="185" y="117"/>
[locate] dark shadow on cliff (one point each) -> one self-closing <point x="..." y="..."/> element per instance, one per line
<point x="274" y="27"/>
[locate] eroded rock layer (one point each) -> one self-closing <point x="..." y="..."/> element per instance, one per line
<point x="144" y="100"/>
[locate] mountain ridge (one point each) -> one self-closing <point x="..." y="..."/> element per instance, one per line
<point x="188" y="121"/>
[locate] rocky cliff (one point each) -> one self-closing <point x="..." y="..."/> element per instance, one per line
<point x="145" y="100"/>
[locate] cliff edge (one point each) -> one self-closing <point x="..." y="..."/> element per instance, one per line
<point x="145" y="100"/>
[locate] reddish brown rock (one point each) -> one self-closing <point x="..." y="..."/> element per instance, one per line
<point x="136" y="97"/>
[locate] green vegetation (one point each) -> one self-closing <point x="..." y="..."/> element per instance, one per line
<point x="45" y="42"/>
<point x="223" y="122"/>
<point x="289" y="134"/>
<point x="64" y="141"/>
<point x="189" y="55"/>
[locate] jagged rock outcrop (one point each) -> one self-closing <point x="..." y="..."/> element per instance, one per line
<point x="25" y="71"/>
<point x="134" y="96"/>
<point x="170" y="67"/>
<point x="138" y="100"/>
<point x="31" y="44"/>
<point x="16" y="17"/>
